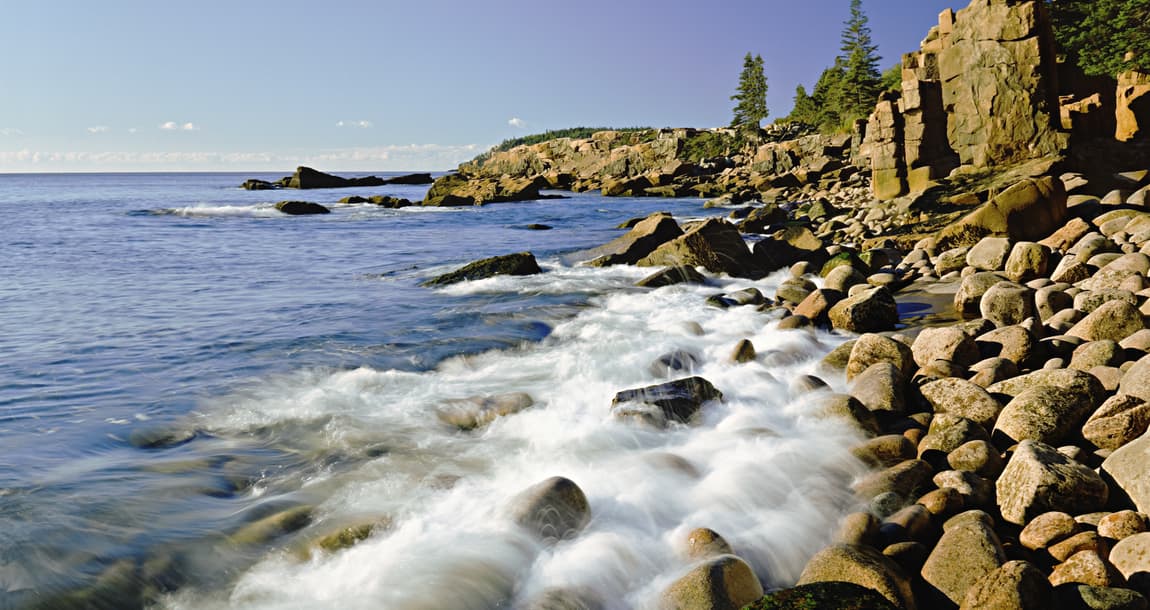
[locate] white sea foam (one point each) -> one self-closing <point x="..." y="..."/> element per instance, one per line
<point x="224" y="211"/>
<point x="759" y="468"/>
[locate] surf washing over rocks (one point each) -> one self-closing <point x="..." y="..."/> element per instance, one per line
<point x="437" y="508"/>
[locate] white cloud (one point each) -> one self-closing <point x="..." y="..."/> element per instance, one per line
<point x="408" y="157"/>
<point x="10" y="131"/>
<point x="174" y="126"/>
<point x="361" y="124"/>
<point x="517" y="123"/>
<point x="99" y="129"/>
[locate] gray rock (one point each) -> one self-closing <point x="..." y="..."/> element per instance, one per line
<point x="1126" y="471"/>
<point x="678" y="400"/>
<point x="1007" y="303"/>
<point x="963" y="555"/>
<point x="1047" y="414"/>
<point x="1038" y="479"/>
<point x="989" y="254"/>
<point x="962" y="398"/>
<point x="554" y="509"/>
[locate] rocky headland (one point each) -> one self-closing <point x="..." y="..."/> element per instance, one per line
<point x="1007" y="435"/>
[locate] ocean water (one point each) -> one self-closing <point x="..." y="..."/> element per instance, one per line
<point x="180" y="364"/>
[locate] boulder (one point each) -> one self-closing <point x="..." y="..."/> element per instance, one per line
<point x="1038" y="479"/>
<point x="944" y="343"/>
<point x="1113" y="320"/>
<point x="1030" y="210"/>
<point x="962" y="398"/>
<point x="862" y="566"/>
<point x="300" y="208"/>
<point x="1122" y="524"/>
<point x="1118" y="421"/>
<point x="1077" y="596"/>
<point x="1016" y="585"/>
<point x="788" y="246"/>
<point x="554" y="509"/>
<point x="1126" y="472"/>
<point x="1007" y="303"/>
<point x="1136" y="381"/>
<point x="704" y="542"/>
<point x="258" y="185"/>
<point x="1027" y="261"/>
<point x="871" y="348"/>
<point x="522" y="263"/>
<point x="1131" y="556"/>
<point x="872" y="310"/>
<point x="1047" y="414"/>
<point x="1014" y="343"/>
<point x="722" y="583"/>
<point x="671" y="276"/>
<point x="713" y="244"/>
<point x="966" y="553"/>
<point x="989" y="254"/>
<point x="641" y="240"/>
<point x="461" y="190"/>
<point x="973" y="287"/>
<point x="1086" y="567"/>
<point x="1048" y="529"/>
<point x="906" y="479"/>
<point x="677" y="400"/>
<point x="881" y="387"/>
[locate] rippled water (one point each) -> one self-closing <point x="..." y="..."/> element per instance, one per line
<point x="179" y="362"/>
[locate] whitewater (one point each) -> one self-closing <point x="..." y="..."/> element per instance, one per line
<point x="182" y="362"/>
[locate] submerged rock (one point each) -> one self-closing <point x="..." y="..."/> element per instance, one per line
<point x="555" y="509"/>
<point x="478" y="411"/>
<point x="522" y="263"/>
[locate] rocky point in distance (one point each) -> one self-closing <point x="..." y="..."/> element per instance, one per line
<point x="1008" y="447"/>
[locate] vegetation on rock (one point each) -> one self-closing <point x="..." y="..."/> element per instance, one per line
<point x="751" y="108"/>
<point x="1097" y="34"/>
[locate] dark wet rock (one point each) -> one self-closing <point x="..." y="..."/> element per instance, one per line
<point x="1077" y="596"/>
<point x="522" y="263"/>
<point x="828" y="595"/>
<point x="884" y="451"/>
<point x="308" y="178"/>
<point x="554" y="509"/>
<point x="538" y="227"/>
<point x="273" y="526"/>
<point x="159" y="437"/>
<point x="564" y="599"/>
<point x="671" y="276"/>
<point x="259" y="185"/>
<point x="678" y="400"/>
<point x="301" y="208"/>
<point x="743" y="352"/>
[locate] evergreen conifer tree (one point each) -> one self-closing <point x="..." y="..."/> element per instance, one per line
<point x="751" y="98"/>
<point x="861" y="80"/>
<point x="1097" y="34"/>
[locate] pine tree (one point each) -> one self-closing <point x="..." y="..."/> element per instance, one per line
<point x="805" y="110"/>
<point x="1097" y="34"/>
<point x="751" y="108"/>
<point x="861" y="80"/>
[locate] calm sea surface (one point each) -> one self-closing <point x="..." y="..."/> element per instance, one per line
<point x="178" y="361"/>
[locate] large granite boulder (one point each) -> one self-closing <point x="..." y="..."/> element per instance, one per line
<point x="862" y="566"/>
<point x="462" y="190"/>
<point x="522" y="263"/>
<point x="648" y="234"/>
<point x="869" y="311"/>
<point x="713" y="244"/>
<point x="722" y="583"/>
<point x="1038" y="479"/>
<point x="1028" y="211"/>
<point x="967" y="551"/>
<point x="1136" y="381"/>
<point x="1126" y="470"/>
<point x="826" y="595"/>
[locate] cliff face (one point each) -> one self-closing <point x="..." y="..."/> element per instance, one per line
<point x="980" y="92"/>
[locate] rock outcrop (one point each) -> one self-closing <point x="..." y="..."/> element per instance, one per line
<point x="308" y="178"/>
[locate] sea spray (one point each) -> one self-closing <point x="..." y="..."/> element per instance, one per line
<point x="760" y="467"/>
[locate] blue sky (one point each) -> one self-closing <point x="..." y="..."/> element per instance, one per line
<point x="266" y="85"/>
